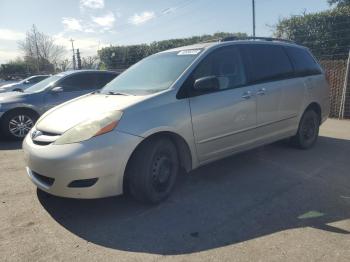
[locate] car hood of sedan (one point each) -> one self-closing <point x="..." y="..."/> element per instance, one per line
<point x="9" y="85"/>
<point x="8" y="97"/>
<point x="63" y="117"/>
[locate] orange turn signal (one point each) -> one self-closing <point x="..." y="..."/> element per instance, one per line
<point x="107" y="128"/>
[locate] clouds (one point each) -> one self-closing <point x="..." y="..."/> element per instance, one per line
<point x="8" y="34"/>
<point x="87" y="45"/>
<point x="8" y="49"/>
<point x="106" y="21"/>
<point x="72" y="24"/>
<point x="8" y="54"/>
<point x="138" y="19"/>
<point x="92" y="4"/>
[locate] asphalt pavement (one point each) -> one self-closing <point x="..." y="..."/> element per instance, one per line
<point x="274" y="203"/>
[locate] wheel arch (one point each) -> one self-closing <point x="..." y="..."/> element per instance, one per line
<point x="26" y="109"/>
<point x="315" y="107"/>
<point x="182" y="147"/>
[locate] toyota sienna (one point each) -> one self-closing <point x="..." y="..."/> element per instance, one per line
<point x="178" y="109"/>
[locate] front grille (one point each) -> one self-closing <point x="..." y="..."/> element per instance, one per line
<point x="44" y="138"/>
<point x="48" y="181"/>
<point x="40" y="143"/>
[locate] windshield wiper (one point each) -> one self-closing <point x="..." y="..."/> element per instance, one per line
<point x="117" y="93"/>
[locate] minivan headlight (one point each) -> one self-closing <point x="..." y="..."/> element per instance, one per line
<point x="93" y="127"/>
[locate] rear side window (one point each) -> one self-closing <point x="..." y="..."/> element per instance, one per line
<point x="303" y="62"/>
<point x="104" y="78"/>
<point x="79" y="82"/>
<point x="267" y="63"/>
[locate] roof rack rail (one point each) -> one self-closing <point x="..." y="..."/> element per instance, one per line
<point x="235" y="38"/>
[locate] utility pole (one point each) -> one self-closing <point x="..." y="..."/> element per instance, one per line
<point x="253" y="3"/>
<point x="74" y="65"/>
<point x="78" y="59"/>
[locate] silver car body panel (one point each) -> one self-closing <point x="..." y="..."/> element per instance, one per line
<point x="213" y="126"/>
<point x="100" y="157"/>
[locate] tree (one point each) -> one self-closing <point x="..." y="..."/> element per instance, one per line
<point x="89" y="62"/>
<point x="339" y="3"/>
<point x="121" y="57"/>
<point x="14" y="68"/>
<point x="326" y="33"/>
<point x="63" y="65"/>
<point x="41" y="50"/>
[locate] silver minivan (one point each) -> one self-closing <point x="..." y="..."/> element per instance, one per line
<point x="178" y="109"/>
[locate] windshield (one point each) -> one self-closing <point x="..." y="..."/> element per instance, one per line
<point x="153" y="74"/>
<point x="43" y="84"/>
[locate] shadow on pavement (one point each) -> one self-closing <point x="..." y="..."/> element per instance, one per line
<point x="9" y="145"/>
<point x="250" y="195"/>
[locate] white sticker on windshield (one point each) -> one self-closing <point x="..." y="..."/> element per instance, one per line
<point x="189" y="52"/>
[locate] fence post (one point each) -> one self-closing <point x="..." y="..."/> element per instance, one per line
<point x="343" y="98"/>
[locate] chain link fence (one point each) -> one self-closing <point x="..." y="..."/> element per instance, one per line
<point x="336" y="70"/>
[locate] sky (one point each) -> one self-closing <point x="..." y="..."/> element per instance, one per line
<point x="94" y="24"/>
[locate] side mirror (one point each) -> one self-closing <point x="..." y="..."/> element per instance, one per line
<point x="208" y="83"/>
<point x="57" y="89"/>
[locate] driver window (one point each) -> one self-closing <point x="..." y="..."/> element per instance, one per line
<point x="226" y="64"/>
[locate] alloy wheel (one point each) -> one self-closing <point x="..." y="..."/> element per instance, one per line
<point x="20" y="125"/>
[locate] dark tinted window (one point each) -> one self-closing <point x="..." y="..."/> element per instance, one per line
<point x="104" y="78"/>
<point x="39" y="78"/>
<point x="303" y="62"/>
<point x="35" y="79"/>
<point x="79" y="82"/>
<point x="267" y="62"/>
<point x="226" y="64"/>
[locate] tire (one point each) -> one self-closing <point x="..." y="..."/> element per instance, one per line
<point x="308" y="130"/>
<point x="152" y="171"/>
<point x="23" y="120"/>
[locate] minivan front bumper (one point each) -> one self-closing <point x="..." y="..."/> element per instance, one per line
<point x="89" y="169"/>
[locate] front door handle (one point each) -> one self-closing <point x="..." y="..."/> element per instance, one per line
<point x="261" y="92"/>
<point x="247" y="95"/>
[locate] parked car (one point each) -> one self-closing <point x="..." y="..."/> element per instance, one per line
<point x="20" y="110"/>
<point x="22" y="85"/>
<point x="181" y="108"/>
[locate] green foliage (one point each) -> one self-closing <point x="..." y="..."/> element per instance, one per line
<point x="326" y="33"/>
<point x="14" y="68"/>
<point x="120" y="57"/>
<point x="339" y="3"/>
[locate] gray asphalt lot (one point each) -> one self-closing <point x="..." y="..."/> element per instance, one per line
<point x="274" y="203"/>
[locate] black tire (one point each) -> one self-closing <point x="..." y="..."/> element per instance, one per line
<point x="27" y="118"/>
<point x="152" y="171"/>
<point x="308" y="130"/>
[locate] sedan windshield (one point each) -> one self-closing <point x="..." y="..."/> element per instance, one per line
<point x="153" y="74"/>
<point x="43" y="84"/>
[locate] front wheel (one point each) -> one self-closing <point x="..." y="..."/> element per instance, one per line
<point x="308" y="130"/>
<point x="153" y="169"/>
<point x="16" y="125"/>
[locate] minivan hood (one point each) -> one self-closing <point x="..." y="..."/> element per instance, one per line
<point x="63" y="117"/>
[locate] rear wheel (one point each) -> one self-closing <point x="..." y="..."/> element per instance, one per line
<point x="153" y="169"/>
<point x="16" y="125"/>
<point x="308" y="130"/>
